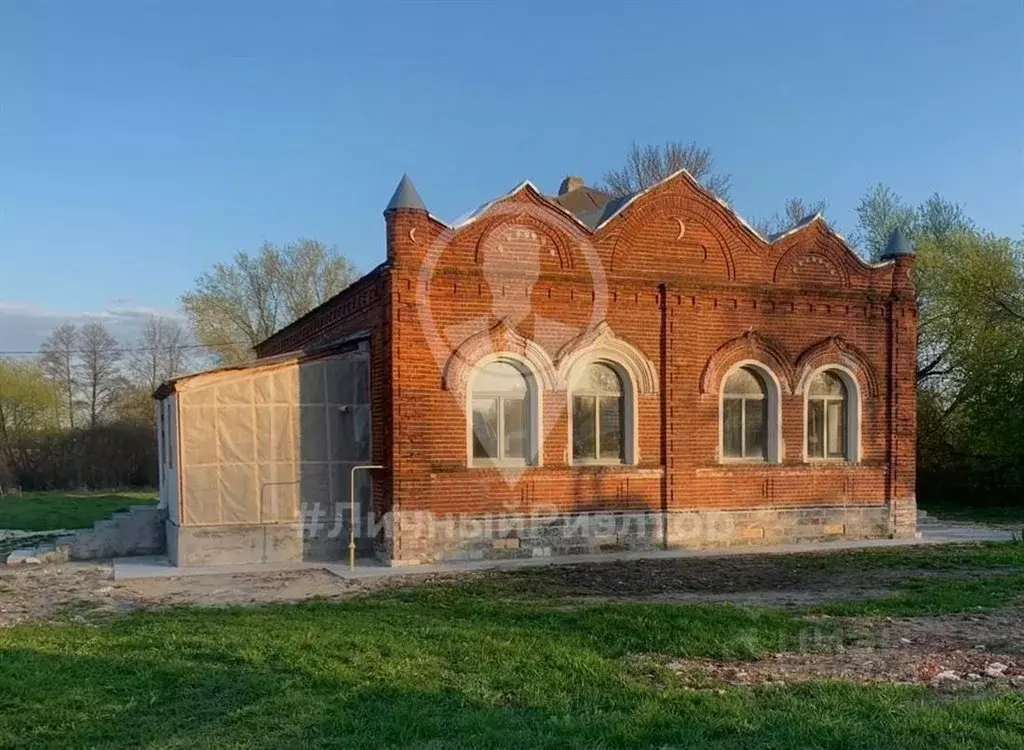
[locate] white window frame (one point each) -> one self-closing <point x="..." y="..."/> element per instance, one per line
<point x="630" y="447"/>
<point x="853" y="414"/>
<point x="773" y="432"/>
<point x="533" y="414"/>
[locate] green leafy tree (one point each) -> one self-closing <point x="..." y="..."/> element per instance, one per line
<point x="880" y="212"/>
<point x="970" y="296"/>
<point x="235" y="306"/>
<point x="28" y="404"/>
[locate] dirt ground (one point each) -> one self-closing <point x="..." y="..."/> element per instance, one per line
<point x="37" y="593"/>
<point x="44" y="593"/>
<point x="951" y="652"/>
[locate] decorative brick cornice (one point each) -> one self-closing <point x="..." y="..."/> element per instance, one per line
<point x="543" y="233"/>
<point x="817" y="259"/>
<point x="672" y="207"/>
<point x="500" y="339"/>
<point x="836" y="350"/>
<point x="751" y="345"/>
<point x="601" y="343"/>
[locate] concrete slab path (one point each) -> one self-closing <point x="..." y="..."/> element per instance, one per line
<point x="932" y="533"/>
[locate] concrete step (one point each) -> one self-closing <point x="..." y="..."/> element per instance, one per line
<point x="137" y="531"/>
<point x="55" y="554"/>
<point x="25" y="556"/>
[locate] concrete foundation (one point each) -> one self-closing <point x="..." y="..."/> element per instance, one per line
<point x="420" y="537"/>
<point x="189" y="546"/>
<point x="417" y="537"/>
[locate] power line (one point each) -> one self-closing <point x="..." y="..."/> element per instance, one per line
<point x="132" y="350"/>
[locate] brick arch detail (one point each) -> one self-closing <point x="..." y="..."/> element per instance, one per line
<point x="670" y="206"/>
<point x="601" y="343"/>
<point x="547" y="231"/>
<point x="835" y="350"/>
<point x="794" y="256"/>
<point x="500" y="339"/>
<point x="749" y="346"/>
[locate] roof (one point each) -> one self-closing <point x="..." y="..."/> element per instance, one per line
<point x="581" y="199"/>
<point x="776" y="236"/>
<point x="354" y="287"/>
<point x="589" y="205"/>
<point x="170" y="386"/>
<point x="594" y="219"/>
<point x="405" y="196"/>
<point x="898" y="246"/>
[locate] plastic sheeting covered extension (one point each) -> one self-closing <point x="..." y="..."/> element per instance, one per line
<point x="257" y="442"/>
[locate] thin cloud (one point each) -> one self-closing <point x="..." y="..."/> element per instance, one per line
<point x="24" y="326"/>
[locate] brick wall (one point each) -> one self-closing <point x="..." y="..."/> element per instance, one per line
<point x="681" y="280"/>
<point x="690" y="287"/>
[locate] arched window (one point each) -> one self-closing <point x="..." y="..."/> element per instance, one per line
<point x="504" y="419"/>
<point x="599" y="415"/>
<point x="828" y="417"/>
<point x="745" y="424"/>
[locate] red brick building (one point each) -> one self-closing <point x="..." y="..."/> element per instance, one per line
<point x="567" y="373"/>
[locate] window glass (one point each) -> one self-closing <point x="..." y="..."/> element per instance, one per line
<point x="732" y="427"/>
<point x="755" y="417"/>
<point x="502" y="425"/>
<point x="500" y="377"/>
<point x="610" y="410"/>
<point x="584" y="432"/>
<point x="598" y="415"/>
<point x="828" y="384"/>
<point x="515" y="428"/>
<point x="744" y="382"/>
<point x="827" y="418"/>
<point x="836" y="421"/>
<point x="816" y="429"/>
<point x="745" y="415"/>
<point x="600" y="378"/>
<point x="485" y="428"/>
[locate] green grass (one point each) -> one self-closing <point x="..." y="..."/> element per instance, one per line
<point x="42" y="511"/>
<point x="928" y="597"/>
<point x="962" y="511"/>
<point x="976" y="556"/>
<point x="449" y="666"/>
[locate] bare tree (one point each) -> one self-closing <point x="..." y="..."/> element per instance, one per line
<point x="236" y="306"/>
<point x="160" y="353"/>
<point x="311" y="274"/>
<point x="650" y="164"/>
<point x="795" y="211"/>
<point x="98" y="369"/>
<point x="57" y="358"/>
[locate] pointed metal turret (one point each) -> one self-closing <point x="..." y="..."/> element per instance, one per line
<point x="405" y="196"/>
<point x="898" y="246"/>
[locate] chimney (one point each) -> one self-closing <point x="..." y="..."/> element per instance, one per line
<point x="570" y="183"/>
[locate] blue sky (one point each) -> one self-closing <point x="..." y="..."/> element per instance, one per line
<point x="141" y="142"/>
